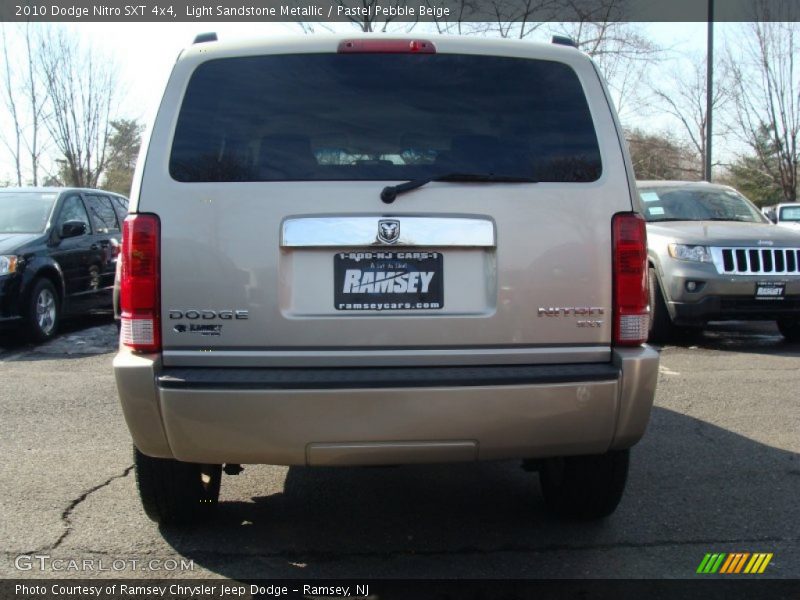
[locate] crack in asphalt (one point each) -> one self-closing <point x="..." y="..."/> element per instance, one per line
<point x="66" y="514"/>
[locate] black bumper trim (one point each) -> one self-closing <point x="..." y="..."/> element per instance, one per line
<point x="722" y="308"/>
<point x="382" y="377"/>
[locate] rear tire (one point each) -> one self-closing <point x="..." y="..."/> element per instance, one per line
<point x="174" y="492"/>
<point x="43" y="312"/>
<point x="790" y="329"/>
<point x="661" y="327"/>
<point x="584" y="487"/>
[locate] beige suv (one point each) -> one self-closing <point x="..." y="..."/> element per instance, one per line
<point x="382" y="251"/>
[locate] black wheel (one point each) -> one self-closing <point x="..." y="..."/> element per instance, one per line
<point x="43" y="311"/>
<point x="661" y="327"/>
<point x="790" y="329"/>
<point x="175" y="492"/>
<point x="584" y="487"/>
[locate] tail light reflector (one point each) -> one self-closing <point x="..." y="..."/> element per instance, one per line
<point x="140" y="283"/>
<point x="631" y="292"/>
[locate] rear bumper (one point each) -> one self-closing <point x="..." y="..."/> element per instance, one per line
<point x="385" y="415"/>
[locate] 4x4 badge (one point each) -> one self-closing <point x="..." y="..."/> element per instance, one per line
<point x="388" y="230"/>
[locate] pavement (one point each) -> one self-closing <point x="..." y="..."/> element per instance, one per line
<point x="717" y="471"/>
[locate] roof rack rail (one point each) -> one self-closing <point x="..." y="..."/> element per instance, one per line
<point x="202" y="38"/>
<point x="564" y="41"/>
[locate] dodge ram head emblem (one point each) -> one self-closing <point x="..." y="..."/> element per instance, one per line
<point x="388" y="230"/>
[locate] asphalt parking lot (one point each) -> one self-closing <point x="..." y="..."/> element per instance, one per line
<point x="718" y="471"/>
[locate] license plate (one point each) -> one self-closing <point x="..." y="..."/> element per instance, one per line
<point x="770" y="290"/>
<point x="388" y="281"/>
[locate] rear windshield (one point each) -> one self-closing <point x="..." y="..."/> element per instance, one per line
<point x="383" y="117"/>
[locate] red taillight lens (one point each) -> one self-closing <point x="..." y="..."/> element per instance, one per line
<point x="631" y="294"/>
<point x="139" y="283"/>
<point x="387" y="46"/>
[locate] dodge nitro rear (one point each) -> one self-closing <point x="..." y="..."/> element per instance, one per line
<point x="382" y="251"/>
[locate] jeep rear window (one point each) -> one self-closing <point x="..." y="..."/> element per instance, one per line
<point x="324" y="117"/>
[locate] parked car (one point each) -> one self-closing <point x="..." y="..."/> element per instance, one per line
<point x="715" y="257"/>
<point x="788" y="215"/>
<point x="440" y="264"/>
<point x="58" y="253"/>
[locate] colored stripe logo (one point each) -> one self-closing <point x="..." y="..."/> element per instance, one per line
<point x="734" y="563"/>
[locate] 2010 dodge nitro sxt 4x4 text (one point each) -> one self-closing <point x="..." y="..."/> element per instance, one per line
<point x="383" y="251"/>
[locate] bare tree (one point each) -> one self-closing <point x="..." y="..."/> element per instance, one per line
<point x="622" y="53"/>
<point x="660" y="156"/>
<point x="518" y="19"/>
<point x="10" y="99"/>
<point x="310" y="27"/>
<point x="766" y="83"/>
<point x="25" y="101"/>
<point x="456" y="21"/>
<point x="81" y="84"/>
<point x="37" y="100"/>
<point x="682" y="94"/>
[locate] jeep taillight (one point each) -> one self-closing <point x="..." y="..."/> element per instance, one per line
<point x="631" y="294"/>
<point x="139" y="283"/>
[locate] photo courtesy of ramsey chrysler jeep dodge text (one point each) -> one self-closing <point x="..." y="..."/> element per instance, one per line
<point x="382" y="251"/>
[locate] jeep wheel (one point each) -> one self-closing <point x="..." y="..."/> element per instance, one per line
<point x="790" y="330"/>
<point x="175" y="492"/>
<point x="661" y="327"/>
<point x="43" y="311"/>
<point x="584" y="487"/>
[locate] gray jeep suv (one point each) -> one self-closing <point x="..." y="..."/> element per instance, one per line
<point x="380" y="251"/>
<point x="714" y="257"/>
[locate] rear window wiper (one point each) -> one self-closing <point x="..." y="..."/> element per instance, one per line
<point x="390" y="192"/>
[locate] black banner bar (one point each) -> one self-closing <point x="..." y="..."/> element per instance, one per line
<point x="401" y="11"/>
<point x="722" y="588"/>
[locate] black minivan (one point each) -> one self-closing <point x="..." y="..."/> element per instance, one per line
<point x="58" y="254"/>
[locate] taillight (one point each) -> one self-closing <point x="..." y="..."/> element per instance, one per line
<point x="631" y="293"/>
<point x="387" y="46"/>
<point x="139" y="283"/>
